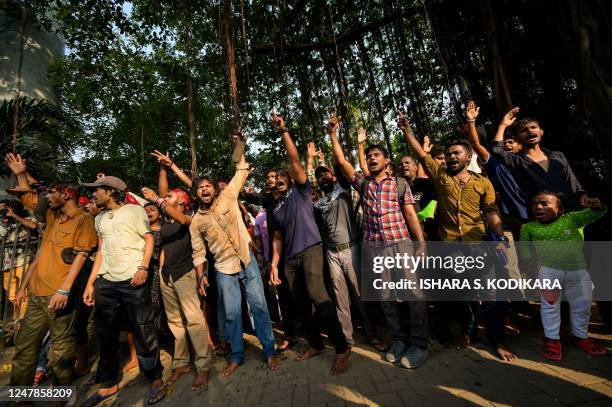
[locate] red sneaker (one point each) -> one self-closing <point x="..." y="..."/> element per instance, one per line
<point x="552" y="349"/>
<point x="590" y="346"/>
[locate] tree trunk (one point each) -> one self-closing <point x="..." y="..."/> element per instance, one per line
<point x="230" y="55"/>
<point x="374" y="91"/>
<point x="503" y="98"/>
<point x="191" y="116"/>
<point x="22" y="40"/>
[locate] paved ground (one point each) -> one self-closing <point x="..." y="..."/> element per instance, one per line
<point x="450" y="377"/>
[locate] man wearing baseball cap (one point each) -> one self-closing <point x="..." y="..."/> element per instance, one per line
<point x="117" y="286"/>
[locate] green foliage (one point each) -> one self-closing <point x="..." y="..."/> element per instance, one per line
<point x="44" y="133"/>
<point x="126" y="73"/>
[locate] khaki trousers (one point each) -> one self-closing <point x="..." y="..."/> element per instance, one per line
<point x="182" y="303"/>
<point x="34" y="326"/>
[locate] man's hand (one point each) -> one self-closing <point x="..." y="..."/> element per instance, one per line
<point x="149" y="194"/>
<point x="332" y="124"/>
<point x="202" y="284"/>
<point x="140" y="277"/>
<point x="88" y="295"/>
<point x="320" y="157"/>
<point x="277" y="122"/>
<point x="16" y="164"/>
<point x="311" y="152"/>
<point x="20" y="297"/>
<point x="57" y="302"/>
<point x="427" y="146"/>
<point x="403" y="123"/>
<point x="274" y="275"/>
<point x="361" y="135"/>
<point x="471" y="111"/>
<point x="587" y="202"/>
<point x="510" y="117"/>
<point x="163" y="159"/>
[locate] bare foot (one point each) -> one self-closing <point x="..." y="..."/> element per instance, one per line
<point x="505" y="354"/>
<point x="176" y="374"/>
<point x="106" y="391"/>
<point x="230" y="369"/>
<point x="201" y="381"/>
<point x="341" y="364"/>
<point x="307" y="354"/>
<point x="274" y="363"/>
<point x="130" y="365"/>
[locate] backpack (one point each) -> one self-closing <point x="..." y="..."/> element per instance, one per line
<point x="402" y="186"/>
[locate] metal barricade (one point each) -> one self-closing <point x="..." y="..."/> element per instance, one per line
<point x="18" y="248"/>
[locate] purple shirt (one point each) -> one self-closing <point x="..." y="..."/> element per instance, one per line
<point x="261" y="231"/>
<point x="294" y="218"/>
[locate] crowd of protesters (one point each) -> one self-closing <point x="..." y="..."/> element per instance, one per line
<point x="204" y="260"/>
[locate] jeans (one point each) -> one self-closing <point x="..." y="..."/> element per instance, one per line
<point x="230" y="286"/>
<point x="116" y="300"/>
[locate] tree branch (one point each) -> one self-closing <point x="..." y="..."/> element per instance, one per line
<point x="347" y="37"/>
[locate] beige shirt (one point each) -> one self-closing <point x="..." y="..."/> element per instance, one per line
<point x="123" y="242"/>
<point x="222" y="228"/>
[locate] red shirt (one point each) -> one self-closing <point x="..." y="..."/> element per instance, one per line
<point x="383" y="219"/>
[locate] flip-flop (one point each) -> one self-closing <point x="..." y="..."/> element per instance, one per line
<point x="97" y="399"/>
<point x="156" y="395"/>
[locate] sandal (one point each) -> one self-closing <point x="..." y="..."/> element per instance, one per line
<point x="156" y="395"/>
<point x="97" y="399"/>
<point x="552" y="349"/>
<point x="590" y="346"/>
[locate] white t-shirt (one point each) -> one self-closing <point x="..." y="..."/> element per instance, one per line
<point x="123" y="241"/>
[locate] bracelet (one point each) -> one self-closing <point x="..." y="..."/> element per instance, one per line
<point x="283" y="130"/>
<point x="161" y="202"/>
<point x="65" y="293"/>
<point x="470" y="120"/>
<point x="142" y="267"/>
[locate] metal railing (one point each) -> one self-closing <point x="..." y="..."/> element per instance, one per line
<point x="18" y="248"/>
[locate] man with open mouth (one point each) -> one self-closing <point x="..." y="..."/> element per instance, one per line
<point x="296" y="231"/>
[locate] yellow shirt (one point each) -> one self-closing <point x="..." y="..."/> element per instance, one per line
<point x="460" y="209"/>
<point x="222" y="228"/>
<point x="74" y="231"/>
<point x="123" y="241"/>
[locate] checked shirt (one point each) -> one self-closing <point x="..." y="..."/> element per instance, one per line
<point x="383" y="219"/>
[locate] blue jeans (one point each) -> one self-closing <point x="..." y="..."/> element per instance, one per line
<point x="230" y="289"/>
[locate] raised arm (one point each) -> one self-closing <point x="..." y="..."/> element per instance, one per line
<point x="409" y="136"/>
<point x="166" y="161"/>
<point x="471" y="113"/>
<point x="361" y="139"/>
<point x="507" y="121"/>
<point x="345" y="167"/>
<point x="18" y="166"/>
<point x="297" y="170"/>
